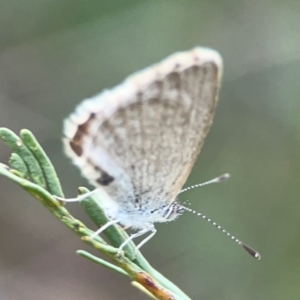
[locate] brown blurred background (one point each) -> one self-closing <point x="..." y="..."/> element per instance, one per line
<point x="55" y="53"/>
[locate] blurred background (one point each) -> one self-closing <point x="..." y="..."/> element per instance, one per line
<point x="53" y="54"/>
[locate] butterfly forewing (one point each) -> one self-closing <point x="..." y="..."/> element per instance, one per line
<point x="140" y="140"/>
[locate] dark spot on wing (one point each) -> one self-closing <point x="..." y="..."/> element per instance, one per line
<point x="76" y="148"/>
<point x="82" y="130"/>
<point x="104" y="179"/>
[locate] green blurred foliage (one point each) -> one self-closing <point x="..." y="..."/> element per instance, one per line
<point x="53" y="54"/>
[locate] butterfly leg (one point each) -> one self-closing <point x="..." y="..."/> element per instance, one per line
<point x="144" y="241"/>
<point x="77" y="199"/>
<point x="141" y="232"/>
<point x="101" y="229"/>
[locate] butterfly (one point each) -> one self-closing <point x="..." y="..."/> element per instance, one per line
<point x="137" y="142"/>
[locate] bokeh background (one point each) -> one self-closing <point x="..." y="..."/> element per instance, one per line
<point x="53" y="54"/>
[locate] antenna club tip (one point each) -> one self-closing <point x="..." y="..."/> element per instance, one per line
<point x="257" y="256"/>
<point x="223" y="177"/>
<point x="251" y="251"/>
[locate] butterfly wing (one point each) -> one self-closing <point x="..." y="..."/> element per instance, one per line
<point x="140" y="140"/>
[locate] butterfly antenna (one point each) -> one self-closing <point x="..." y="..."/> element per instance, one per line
<point x="218" y="179"/>
<point x="250" y="250"/>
